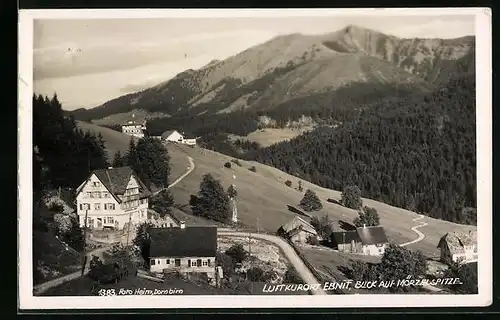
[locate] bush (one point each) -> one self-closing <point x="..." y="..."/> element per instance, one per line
<point x="105" y="273"/>
<point x="227" y="165"/>
<point x="95" y="262"/>
<point x="288" y="183"/>
<point x="292" y="276"/>
<point x="63" y="223"/>
<point x="253" y="169"/>
<point x="323" y="226"/>
<point x="236" y="162"/>
<point x="467" y="273"/>
<point x="226" y="262"/>
<point x="162" y="203"/>
<point x="310" y="201"/>
<point x="368" y="217"/>
<point x="255" y="274"/>
<point x="237" y="253"/>
<point x="313" y="240"/>
<point x="56" y="207"/>
<point x="351" y="197"/>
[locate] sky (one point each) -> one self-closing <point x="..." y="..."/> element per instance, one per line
<point x="88" y="62"/>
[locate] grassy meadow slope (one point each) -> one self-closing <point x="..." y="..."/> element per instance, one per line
<point x="114" y="140"/>
<point x="263" y="196"/>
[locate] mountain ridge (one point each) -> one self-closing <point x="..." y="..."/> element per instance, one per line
<point x="302" y="65"/>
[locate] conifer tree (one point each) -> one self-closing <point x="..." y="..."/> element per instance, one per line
<point x="310" y="201"/>
<point x="212" y="201"/>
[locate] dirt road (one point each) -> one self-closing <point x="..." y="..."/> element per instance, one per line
<point x="290" y="254"/>
<point x="190" y="169"/>
<point x="55" y="282"/>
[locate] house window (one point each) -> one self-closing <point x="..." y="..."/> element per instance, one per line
<point x="168" y="261"/>
<point x="110" y="220"/>
<point x="105" y="194"/>
<point x="89" y="195"/>
<point x="109" y="206"/>
<point x="153" y="262"/>
<point x="97" y="206"/>
<point x="97" y="194"/>
<point x="96" y="183"/>
<point x="205" y="263"/>
<point x="84" y="206"/>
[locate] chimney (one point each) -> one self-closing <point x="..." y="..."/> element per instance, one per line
<point x="183" y="225"/>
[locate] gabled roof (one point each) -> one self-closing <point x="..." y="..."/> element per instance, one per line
<point x="457" y="240"/>
<point x="187" y="242"/>
<point x="289" y="226"/>
<point x="116" y="181"/>
<point x="346" y="236"/>
<point x="372" y="235"/>
<point x="167" y="133"/>
<point x="297" y="230"/>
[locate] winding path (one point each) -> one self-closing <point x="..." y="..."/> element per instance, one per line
<point x="421" y="236"/>
<point x="190" y="169"/>
<point x="289" y="252"/>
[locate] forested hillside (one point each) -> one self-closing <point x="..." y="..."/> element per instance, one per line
<point x="418" y="153"/>
<point x="68" y="154"/>
<point x="331" y="107"/>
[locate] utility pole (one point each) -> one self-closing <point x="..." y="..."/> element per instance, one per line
<point x="84" y="256"/>
<point x="249" y="241"/>
<point x="129" y="223"/>
<point x="233" y="198"/>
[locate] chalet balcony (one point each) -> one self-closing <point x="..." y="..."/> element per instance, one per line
<point x="131" y="197"/>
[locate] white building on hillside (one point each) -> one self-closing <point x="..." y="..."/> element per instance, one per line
<point x="133" y="128"/>
<point x="112" y="197"/>
<point x="176" y="137"/>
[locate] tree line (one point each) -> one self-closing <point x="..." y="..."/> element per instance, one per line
<point x="417" y="153"/>
<point x="63" y="157"/>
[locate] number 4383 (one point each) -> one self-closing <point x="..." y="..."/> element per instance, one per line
<point x="107" y="292"/>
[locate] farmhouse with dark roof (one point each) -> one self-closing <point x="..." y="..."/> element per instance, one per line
<point x="183" y="249"/>
<point x="370" y="240"/>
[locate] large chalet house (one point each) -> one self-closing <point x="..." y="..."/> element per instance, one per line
<point x="459" y="247"/>
<point x="110" y="198"/>
<point x="370" y="240"/>
<point x="134" y="128"/>
<point x="183" y="249"/>
<point x="297" y="230"/>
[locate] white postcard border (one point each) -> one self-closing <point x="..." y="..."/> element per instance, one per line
<point x="484" y="172"/>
